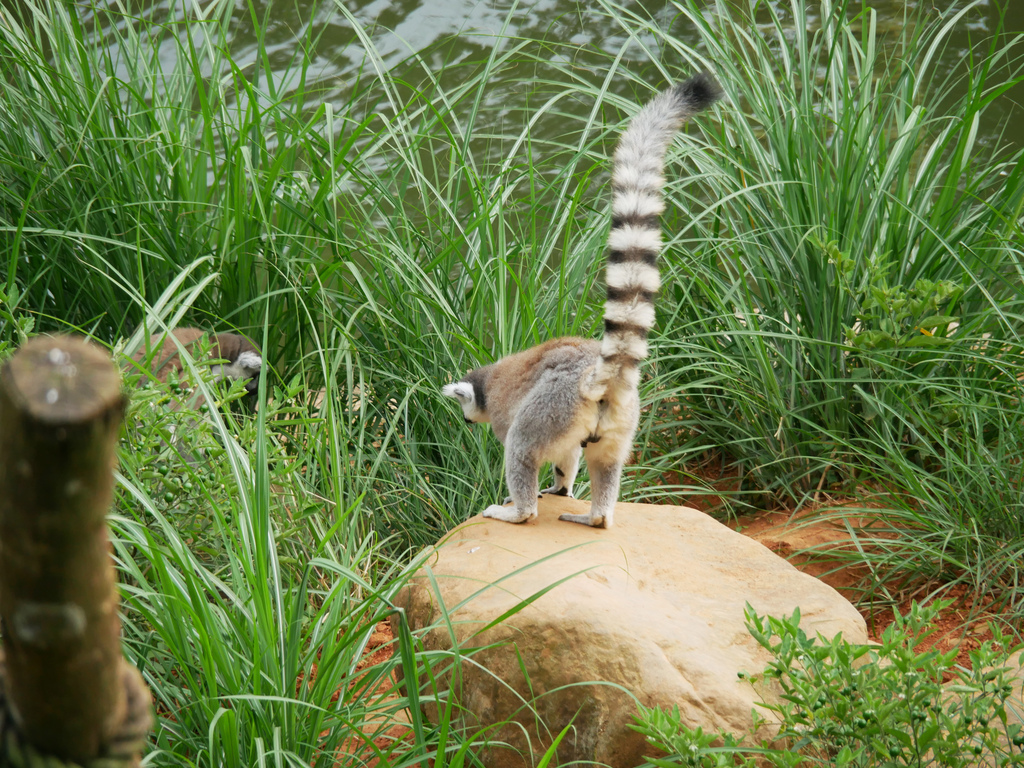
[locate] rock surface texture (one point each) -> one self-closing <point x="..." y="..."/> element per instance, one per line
<point x="651" y="610"/>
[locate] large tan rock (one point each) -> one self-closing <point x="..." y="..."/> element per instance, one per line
<point x="650" y="610"/>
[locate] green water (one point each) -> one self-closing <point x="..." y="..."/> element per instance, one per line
<point x="457" y="35"/>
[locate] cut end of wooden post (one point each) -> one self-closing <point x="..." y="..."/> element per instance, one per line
<point x="62" y="380"/>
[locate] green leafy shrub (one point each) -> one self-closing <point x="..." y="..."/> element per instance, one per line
<point x="852" y="705"/>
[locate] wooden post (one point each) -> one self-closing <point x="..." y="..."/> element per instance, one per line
<point x="60" y="412"/>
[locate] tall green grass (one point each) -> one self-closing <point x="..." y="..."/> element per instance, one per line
<point x="849" y="318"/>
<point x="252" y="604"/>
<point x="841" y="311"/>
<point x="859" y="220"/>
<point x="137" y="146"/>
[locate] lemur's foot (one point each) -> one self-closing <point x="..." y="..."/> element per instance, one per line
<point x="592" y="521"/>
<point x="508" y="514"/>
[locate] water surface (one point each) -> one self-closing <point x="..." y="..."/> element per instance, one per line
<point x="452" y="32"/>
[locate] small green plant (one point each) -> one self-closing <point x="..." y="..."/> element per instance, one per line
<point x="889" y="315"/>
<point x="15" y="327"/>
<point x="901" y="339"/>
<point x="846" y="704"/>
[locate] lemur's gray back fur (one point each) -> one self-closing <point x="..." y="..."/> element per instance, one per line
<point x="632" y="276"/>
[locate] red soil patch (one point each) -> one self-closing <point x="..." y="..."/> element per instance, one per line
<point x="820" y="545"/>
<point x="379" y="648"/>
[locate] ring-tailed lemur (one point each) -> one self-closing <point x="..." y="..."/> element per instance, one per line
<point x="572" y="395"/>
<point x="240" y="359"/>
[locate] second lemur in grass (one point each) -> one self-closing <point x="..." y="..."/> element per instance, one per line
<point x="573" y="395"/>
<point x="238" y="358"/>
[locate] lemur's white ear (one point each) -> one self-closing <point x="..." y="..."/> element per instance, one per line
<point x="460" y="390"/>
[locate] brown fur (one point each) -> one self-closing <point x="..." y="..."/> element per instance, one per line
<point x="161" y="359"/>
<point x="225" y="346"/>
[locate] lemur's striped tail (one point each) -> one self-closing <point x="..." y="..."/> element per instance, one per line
<point x="635" y="240"/>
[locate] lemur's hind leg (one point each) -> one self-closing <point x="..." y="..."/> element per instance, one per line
<point x="565" y="468"/>
<point x="537" y="433"/>
<point x="521" y="475"/>
<point x="605" y="464"/>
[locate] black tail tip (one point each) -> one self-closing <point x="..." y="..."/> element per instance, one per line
<point x="700" y="91"/>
